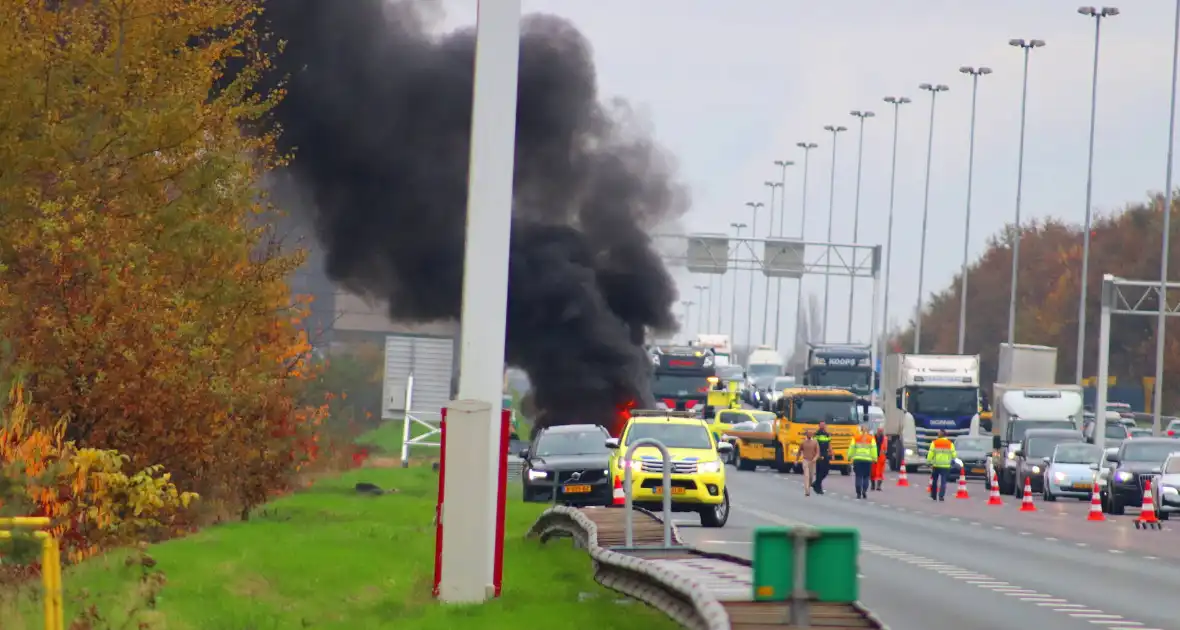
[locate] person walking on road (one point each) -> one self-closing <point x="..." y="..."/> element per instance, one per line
<point x="863" y="454"/>
<point x="878" y="478"/>
<point x="940" y="456"/>
<point x="825" y="456"/>
<point x="808" y="454"/>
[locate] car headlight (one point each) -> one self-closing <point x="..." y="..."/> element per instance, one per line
<point x="1060" y="477"/>
<point x="1036" y="470"/>
<point x="1123" y="475"/>
<point x="709" y="467"/>
<point x="909" y="451"/>
<point x="538" y="474"/>
<point x="1011" y="455"/>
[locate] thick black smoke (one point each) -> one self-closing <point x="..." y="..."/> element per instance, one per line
<point x="378" y="110"/>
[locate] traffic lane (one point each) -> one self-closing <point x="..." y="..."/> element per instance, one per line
<point x="1065" y="520"/>
<point x="901" y="595"/>
<point x="1111" y="584"/>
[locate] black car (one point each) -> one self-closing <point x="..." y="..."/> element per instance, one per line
<point x="568" y="465"/>
<point x="1029" y="464"/>
<point x="1128" y="470"/>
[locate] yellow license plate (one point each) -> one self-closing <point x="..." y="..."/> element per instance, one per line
<point x="576" y="489"/>
<point x="1083" y="486"/>
<point x="976" y="471"/>
<point x="675" y="490"/>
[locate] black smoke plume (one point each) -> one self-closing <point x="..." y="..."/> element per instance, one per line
<point x="378" y="112"/>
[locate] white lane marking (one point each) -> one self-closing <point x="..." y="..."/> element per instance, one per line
<point x="1056" y="604"/>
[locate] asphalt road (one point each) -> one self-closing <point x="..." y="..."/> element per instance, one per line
<point x="929" y="569"/>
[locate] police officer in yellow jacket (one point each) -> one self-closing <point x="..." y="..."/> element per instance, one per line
<point x="940" y="456"/>
<point x="862" y="453"/>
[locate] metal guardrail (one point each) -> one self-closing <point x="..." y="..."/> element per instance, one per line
<point x="683" y="600"/>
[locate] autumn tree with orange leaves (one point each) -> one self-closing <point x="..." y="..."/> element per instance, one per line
<point x="142" y="290"/>
<point x="1125" y="244"/>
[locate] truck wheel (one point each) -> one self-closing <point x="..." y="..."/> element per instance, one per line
<point x="911" y="469"/>
<point x="845" y="471"/>
<point x="743" y="464"/>
<point x="716" y="515"/>
<point x="894" y="462"/>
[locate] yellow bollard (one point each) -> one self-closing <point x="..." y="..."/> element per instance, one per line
<point x="50" y="565"/>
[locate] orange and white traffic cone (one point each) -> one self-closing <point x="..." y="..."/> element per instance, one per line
<point x="619" y="498"/>
<point x="902" y="480"/>
<point x="962" y="492"/>
<point x="1026" y="503"/>
<point x="993" y="496"/>
<point x="1095" y="506"/>
<point x="1147" y="518"/>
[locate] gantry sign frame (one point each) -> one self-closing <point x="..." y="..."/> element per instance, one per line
<point x="777" y="257"/>
<point x="1126" y="297"/>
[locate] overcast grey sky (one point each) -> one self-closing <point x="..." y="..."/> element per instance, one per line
<point x="731" y="86"/>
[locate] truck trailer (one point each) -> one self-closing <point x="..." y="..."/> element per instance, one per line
<point x="924" y="394"/>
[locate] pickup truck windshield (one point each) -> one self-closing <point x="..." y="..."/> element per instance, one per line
<point x="672" y="435"/>
<point x="949" y="401"/>
<point x="833" y="411"/>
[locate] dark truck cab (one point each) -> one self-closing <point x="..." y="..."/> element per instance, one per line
<point x="682" y="377"/>
<point x="846" y="366"/>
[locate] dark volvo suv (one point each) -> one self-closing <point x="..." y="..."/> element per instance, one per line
<point x="568" y="465"/>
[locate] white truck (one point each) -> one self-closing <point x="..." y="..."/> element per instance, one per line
<point x="765" y="361"/>
<point x="722" y="348"/>
<point x="924" y="394"/>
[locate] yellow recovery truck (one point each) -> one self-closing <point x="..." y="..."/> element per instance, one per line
<point x="799" y="410"/>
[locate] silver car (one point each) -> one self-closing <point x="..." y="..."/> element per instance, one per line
<point x="1169" y="487"/>
<point x="1069" y="472"/>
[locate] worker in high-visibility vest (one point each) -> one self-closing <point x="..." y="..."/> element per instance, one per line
<point x="940" y="456"/>
<point x="862" y="453"/>
<point x="878" y="478"/>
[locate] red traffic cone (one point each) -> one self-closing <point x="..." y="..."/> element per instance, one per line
<point x="619" y="497"/>
<point x="1095" y="506"/>
<point x="1026" y="503"/>
<point x="993" y="496"/>
<point x="902" y="480"/>
<point x="962" y="492"/>
<point x="930" y="486"/>
<point x="1147" y="518"/>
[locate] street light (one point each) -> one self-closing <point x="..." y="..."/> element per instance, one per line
<point x="1080" y="361"/>
<point x="687" y="304"/>
<point x="1160" y="330"/>
<point x="807" y="147"/>
<point x="738" y="227"/>
<point x="835" y="129"/>
<point x="1027" y="46"/>
<point x="754" y="207"/>
<point x="896" y="102"/>
<point x="975" y="74"/>
<point x="782" y="217"/>
<point x="773" y="186"/>
<point x="860" y="152"/>
<point x="705" y="299"/>
<point x="934" y="90"/>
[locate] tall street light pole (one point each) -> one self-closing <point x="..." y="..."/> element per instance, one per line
<point x="754" y="207"/>
<point x="703" y="300"/>
<point x="773" y="186"/>
<point x="807" y="147"/>
<point x="1080" y="361"/>
<point x="896" y="102"/>
<point x="934" y="90"/>
<point x="737" y="227"/>
<point x="835" y="129"/>
<point x="975" y="74"/>
<point x="1157" y="391"/>
<point x="687" y="304"/>
<point x="782" y="217"/>
<point x="860" y="153"/>
<point x="1027" y="46"/>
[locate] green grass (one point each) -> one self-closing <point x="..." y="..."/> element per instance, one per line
<point x="329" y="559"/>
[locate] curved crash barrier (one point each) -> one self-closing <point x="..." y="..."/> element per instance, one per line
<point x="50" y="564"/>
<point x="711" y="591"/>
